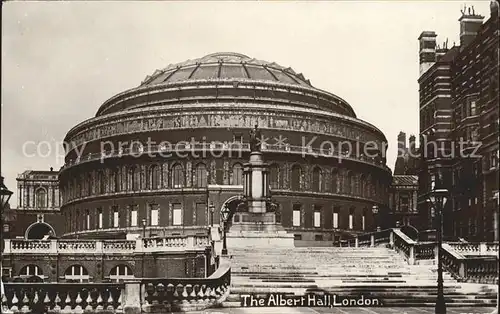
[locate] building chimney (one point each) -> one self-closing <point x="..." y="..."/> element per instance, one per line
<point x="494" y="9"/>
<point x="401" y="143"/>
<point x="413" y="146"/>
<point x="51" y="169"/>
<point x="427" y="50"/>
<point x="470" y="23"/>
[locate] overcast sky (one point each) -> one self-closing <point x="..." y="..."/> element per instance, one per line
<point x="61" y="60"/>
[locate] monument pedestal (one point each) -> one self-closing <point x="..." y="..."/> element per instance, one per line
<point x="257" y="230"/>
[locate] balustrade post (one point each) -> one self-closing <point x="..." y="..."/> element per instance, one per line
<point x="139" y="247"/>
<point x="461" y="269"/>
<point x="190" y="242"/>
<point x="372" y="240"/>
<point x="99" y="247"/>
<point x="391" y="238"/>
<point x="53" y="246"/>
<point x="7" y="246"/>
<point x="483" y="248"/>
<point x="411" y="258"/>
<point x="132" y="297"/>
<point x="356" y="242"/>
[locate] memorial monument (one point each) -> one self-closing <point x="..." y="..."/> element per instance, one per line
<point x="256" y="222"/>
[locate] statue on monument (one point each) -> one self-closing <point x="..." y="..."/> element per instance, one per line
<point x="255" y="138"/>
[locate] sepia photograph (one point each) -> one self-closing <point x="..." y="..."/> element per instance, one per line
<point x="248" y="157"/>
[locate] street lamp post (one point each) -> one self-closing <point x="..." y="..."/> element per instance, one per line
<point x="225" y="215"/>
<point x="437" y="198"/>
<point x="211" y="208"/>
<point x="375" y="216"/>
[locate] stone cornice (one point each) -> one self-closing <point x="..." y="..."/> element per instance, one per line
<point x="134" y="120"/>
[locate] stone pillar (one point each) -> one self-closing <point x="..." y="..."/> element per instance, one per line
<point x="372" y="240"/>
<point x="132" y="297"/>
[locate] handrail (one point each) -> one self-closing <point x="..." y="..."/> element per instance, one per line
<point x="469" y="262"/>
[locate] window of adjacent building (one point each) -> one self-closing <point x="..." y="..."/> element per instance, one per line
<point x="200" y="176"/>
<point x="76" y="273"/>
<point x="6" y="228"/>
<point x="297" y="237"/>
<point x="336" y="217"/>
<point x="318" y="237"/>
<point x="154" y="214"/>
<point x="296" y="215"/>
<point x="177" y="214"/>
<point x="120" y="273"/>
<point x="237" y="174"/>
<point x="473" y="108"/>
<point x="41" y="198"/>
<point x="404" y="202"/>
<point x="317" y="216"/>
<point x="116" y="217"/>
<point x="99" y="218"/>
<point x="351" y="218"/>
<point x="133" y="216"/>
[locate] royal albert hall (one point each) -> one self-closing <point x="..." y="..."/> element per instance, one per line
<point x="164" y="158"/>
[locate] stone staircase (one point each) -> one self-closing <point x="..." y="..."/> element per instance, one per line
<point x="377" y="272"/>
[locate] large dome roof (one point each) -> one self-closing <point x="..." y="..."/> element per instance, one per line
<point x="226" y="65"/>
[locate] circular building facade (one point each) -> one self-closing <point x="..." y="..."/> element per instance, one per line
<point x="155" y="157"/>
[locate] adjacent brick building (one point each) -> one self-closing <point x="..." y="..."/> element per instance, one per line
<point x="459" y="126"/>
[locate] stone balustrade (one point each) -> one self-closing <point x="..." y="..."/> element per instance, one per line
<point x="134" y="296"/>
<point x="62" y="298"/>
<point x="474" y="249"/>
<point x="468" y="262"/>
<point x="158" y="244"/>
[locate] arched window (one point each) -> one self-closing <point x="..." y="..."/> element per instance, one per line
<point x="200" y="176"/>
<point x="368" y="187"/>
<point x="134" y="178"/>
<point x="335" y="178"/>
<point x="274" y="179"/>
<point x="76" y="273"/>
<point x="102" y="182"/>
<point x="296" y="178"/>
<point x="237" y="174"/>
<point x="153" y="177"/>
<point x="89" y="185"/>
<point x="116" y="177"/>
<point x="41" y="198"/>
<point x="30" y="271"/>
<point x="349" y="185"/>
<point x="177" y="176"/>
<point x="316" y="180"/>
<point x="120" y="273"/>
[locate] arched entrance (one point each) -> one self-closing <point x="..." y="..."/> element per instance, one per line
<point x="38" y="230"/>
<point x="231" y="203"/>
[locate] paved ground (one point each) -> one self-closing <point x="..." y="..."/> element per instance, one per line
<point x="344" y="310"/>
